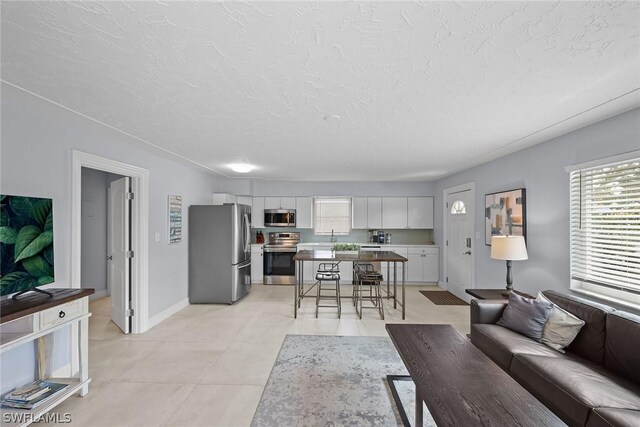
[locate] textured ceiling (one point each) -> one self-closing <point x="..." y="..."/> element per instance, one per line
<point x="330" y="90"/>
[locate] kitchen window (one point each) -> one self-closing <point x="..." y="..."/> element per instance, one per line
<point x="332" y="215"/>
<point x="605" y="230"/>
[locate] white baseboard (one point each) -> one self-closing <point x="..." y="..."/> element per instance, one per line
<point x="164" y="314"/>
<point x="102" y="293"/>
<point x="442" y="285"/>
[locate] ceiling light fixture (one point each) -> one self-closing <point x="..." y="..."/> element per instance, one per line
<point x="242" y="167"/>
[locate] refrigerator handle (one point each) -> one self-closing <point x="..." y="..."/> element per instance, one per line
<point x="247" y="233"/>
<point x="244" y="266"/>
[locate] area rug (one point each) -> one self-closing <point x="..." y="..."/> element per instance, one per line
<point x="443" y="298"/>
<point x="334" y="381"/>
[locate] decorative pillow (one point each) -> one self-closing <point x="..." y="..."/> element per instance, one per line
<point x="526" y="316"/>
<point x="561" y="328"/>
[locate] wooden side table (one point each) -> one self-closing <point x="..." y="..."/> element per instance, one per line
<point x="493" y="294"/>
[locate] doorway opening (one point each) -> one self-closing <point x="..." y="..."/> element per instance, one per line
<point x="459" y="239"/>
<point x="138" y="310"/>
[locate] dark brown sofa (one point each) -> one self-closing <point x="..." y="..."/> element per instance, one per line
<point x="596" y="382"/>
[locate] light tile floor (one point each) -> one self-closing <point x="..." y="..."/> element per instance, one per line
<point x="208" y="364"/>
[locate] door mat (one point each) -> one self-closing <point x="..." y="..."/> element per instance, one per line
<point x="443" y="298"/>
<point x="336" y="381"/>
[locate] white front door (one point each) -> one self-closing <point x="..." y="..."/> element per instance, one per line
<point x="459" y="241"/>
<point x="118" y="246"/>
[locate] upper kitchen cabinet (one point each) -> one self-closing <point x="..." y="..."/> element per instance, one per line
<point x="222" y="198"/>
<point x="359" y="213"/>
<point x="366" y="212"/>
<point x="394" y="212"/>
<point x="257" y="212"/>
<point x="279" y="202"/>
<point x="374" y="212"/>
<point x="420" y="212"/>
<point x="304" y="212"/>
<point x="245" y="200"/>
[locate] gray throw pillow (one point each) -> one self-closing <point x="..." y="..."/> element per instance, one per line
<point x="561" y="328"/>
<point x="526" y="316"/>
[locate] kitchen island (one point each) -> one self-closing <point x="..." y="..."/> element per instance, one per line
<point x="360" y="257"/>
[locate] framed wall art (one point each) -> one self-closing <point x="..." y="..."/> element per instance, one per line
<point x="505" y="214"/>
<point x="175" y="219"/>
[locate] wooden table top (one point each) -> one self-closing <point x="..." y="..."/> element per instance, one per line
<point x="494" y="293"/>
<point x="361" y="256"/>
<point x="460" y="385"/>
<point x="35" y="301"/>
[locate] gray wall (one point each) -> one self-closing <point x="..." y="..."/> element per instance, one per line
<point x="341" y="188"/>
<point x="539" y="169"/>
<point x="38" y="136"/>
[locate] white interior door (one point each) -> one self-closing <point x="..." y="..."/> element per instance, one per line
<point x="460" y="242"/>
<point x="118" y="246"/>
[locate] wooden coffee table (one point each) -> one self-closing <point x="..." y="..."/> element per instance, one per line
<point x="459" y="384"/>
<point x="494" y="294"/>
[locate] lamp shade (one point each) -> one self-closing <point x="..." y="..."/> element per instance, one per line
<point x="510" y="248"/>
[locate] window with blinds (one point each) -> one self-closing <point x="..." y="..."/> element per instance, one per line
<point x="605" y="230"/>
<point x="332" y="214"/>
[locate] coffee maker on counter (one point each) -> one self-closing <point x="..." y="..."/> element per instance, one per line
<point x="378" y="236"/>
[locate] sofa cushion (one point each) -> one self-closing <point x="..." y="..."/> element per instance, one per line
<point x="572" y="386"/>
<point x="500" y="344"/>
<point x="526" y="316"/>
<point x="622" y="345"/>
<point x="589" y="343"/>
<point x="561" y="328"/>
<point x="608" y="417"/>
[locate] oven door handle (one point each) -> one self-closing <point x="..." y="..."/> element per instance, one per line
<point x="280" y="250"/>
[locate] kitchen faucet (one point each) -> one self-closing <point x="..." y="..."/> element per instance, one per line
<point x="333" y="238"/>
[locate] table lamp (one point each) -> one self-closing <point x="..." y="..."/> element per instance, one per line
<point x="509" y="248"/>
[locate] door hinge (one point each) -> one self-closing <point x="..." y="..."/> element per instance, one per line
<point x="129" y="312"/>
<point x="447" y="279"/>
<point x="128" y="196"/>
<point x="447" y="204"/>
<point x="447" y="244"/>
<point x="128" y="254"/>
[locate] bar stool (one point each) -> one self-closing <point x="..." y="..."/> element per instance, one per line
<point x="367" y="280"/>
<point x="328" y="272"/>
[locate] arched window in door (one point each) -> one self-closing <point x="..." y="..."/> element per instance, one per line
<point x="458" y="208"/>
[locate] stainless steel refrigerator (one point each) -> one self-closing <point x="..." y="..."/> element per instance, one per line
<point x="219" y="253"/>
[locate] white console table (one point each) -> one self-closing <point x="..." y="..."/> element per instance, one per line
<point x="33" y="317"/>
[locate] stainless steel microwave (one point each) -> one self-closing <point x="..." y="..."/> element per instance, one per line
<point x="279" y="217"/>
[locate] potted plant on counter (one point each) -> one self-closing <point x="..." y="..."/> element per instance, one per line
<point x="346" y="248"/>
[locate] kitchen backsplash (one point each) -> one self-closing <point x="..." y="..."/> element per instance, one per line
<point x="407" y="237"/>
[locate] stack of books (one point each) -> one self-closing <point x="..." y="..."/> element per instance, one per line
<point x="32" y="395"/>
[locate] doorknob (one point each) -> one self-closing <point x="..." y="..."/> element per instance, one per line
<point x="468" y="253"/>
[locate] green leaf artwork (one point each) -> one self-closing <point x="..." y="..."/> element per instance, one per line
<point x="26" y="243"/>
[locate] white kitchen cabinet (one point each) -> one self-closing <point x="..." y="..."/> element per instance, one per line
<point x="304" y="212"/>
<point x="257" y="212"/>
<point x="256" y="263"/>
<point x="374" y="212"/>
<point x="394" y="212"/>
<point x="366" y="212"/>
<point x="387" y="272"/>
<point x="222" y="198"/>
<point x="245" y="200"/>
<point x="279" y="202"/>
<point x="287" y="202"/>
<point x="359" y="213"/>
<point x="423" y="264"/>
<point x="272" y="202"/>
<point x="420" y="212"/>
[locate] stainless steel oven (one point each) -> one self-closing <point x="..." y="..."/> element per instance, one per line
<point x="279" y="217"/>
<point x="279" y="268"/>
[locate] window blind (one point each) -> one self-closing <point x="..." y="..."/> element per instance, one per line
<point x="332" y="214"/>
<point x="605" y="229"/>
